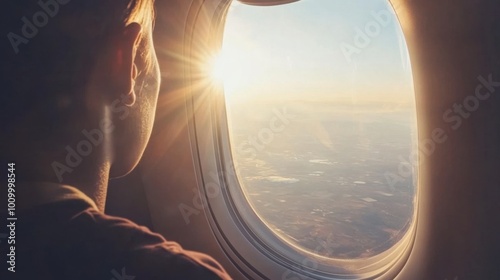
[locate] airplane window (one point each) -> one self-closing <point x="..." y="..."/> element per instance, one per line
<point x="321" y="118"/>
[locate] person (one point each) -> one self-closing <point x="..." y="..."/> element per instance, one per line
<point x="80" y="82"/>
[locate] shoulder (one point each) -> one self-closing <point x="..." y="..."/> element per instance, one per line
<point x="118" y="246"/>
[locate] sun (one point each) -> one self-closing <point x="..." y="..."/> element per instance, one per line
<point x="219" y="68"/>
<point x="234" y="69"/>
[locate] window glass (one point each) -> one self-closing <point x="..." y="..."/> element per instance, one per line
<point x="322" y="126"/>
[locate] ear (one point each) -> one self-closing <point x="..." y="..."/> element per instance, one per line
<point x="124" y="68"/>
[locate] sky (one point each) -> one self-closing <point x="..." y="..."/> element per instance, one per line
<point x="317" y="50"/>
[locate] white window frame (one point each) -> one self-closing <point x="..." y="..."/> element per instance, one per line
<point x="246" y="240"/>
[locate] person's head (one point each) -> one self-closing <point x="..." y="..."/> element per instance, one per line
<point x="79" y="83"/>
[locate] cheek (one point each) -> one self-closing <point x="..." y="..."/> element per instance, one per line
<point x="131" y="135"/>
<point x="147" y="85"/>
<point x="147" y="88"/>
<point x="135" y="125"/>
<point x="147" y="96"/>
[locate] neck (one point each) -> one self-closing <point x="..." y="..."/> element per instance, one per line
<point x="79" y="157"/>
<point x="94" y="185"/>
<point x="90" y="176"/>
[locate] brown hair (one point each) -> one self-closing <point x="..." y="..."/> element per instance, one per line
<point x="50" y="49"/>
